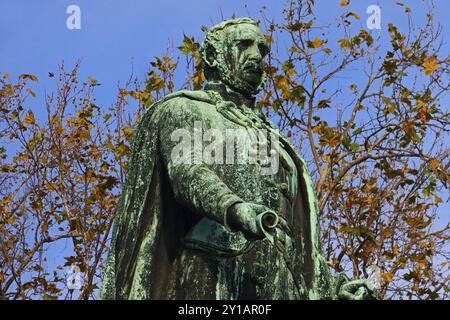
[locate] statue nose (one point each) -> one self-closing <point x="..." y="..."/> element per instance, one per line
<point x="254" y="57"/>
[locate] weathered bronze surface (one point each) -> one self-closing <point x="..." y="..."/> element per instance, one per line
<point x="215" y="230"/>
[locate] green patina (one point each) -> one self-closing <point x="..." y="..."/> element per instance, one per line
<point x="190" y="230"/>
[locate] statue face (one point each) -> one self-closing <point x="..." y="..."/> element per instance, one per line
<point x="242" y="64"/>
<point x="244" y="53"/>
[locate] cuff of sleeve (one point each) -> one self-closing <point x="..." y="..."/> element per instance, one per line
<point x="225" y="203"/>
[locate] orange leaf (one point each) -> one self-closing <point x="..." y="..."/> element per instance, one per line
<point x="387" y="276"/>
<point x="430" y="65"/>
<point x="29" y="118"/>
<point x="354" y="15"/>
<point x="28" y="76"/>
<point x="434" y="164"/>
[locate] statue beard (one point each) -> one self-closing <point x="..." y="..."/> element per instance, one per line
<point x="230" y="78"/>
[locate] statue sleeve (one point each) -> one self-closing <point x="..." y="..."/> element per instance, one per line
<point x="193" y="182"/>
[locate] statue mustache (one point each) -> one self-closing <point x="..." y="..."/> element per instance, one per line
<point x="253" y="64"/>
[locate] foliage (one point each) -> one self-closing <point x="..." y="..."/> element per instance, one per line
<point x="381" y="164"/>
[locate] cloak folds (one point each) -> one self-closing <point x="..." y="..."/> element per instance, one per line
<point x="156" y="211"/>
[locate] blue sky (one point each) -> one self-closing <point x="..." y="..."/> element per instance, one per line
<point x="116" y="34"/>
<point x="113" y="35"/>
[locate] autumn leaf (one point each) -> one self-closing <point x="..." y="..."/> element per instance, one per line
<point x="281" y="83"/>
<point x="92" y="81"/>
<point x="420" y="103"/>
<point x="324" y="104"/>
<point x="354" y="15"/>
<point x="269" y="38"/>
<point x="29" y="118"/>
<point x="434" y="164"/>
<point x="316" y="43"/>
<point x="387" y="276"/>
<point x="127" y="132"/>
<point x="31" y="92"/>
<point x="345" y="3"/>
<point x="189" y="45"/>
<point x="430" y="65"/>
<point x="28" y="76"/>
<point x="170" y="86"/>
<point x="345" y="43"/>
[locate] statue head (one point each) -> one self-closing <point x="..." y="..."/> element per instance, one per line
<point x="233" y="52"/>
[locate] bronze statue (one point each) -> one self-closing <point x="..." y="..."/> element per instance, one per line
<point x="196" y="226"/>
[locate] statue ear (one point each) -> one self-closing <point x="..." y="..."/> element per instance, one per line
<point x="210" y="55"/>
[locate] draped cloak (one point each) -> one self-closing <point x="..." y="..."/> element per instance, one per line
<point x="160" y="204"/>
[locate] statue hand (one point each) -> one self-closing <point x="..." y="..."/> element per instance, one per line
<point x="357" y="290"/>
<point x="242" y="217"/>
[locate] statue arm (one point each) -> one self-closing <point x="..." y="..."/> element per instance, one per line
<point x="194" y="183"/>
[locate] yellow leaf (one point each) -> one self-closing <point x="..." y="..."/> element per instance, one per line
<point x="29" y="118"/>
<point x="345" y="44"/>
<point x="281" y="83"/>
<point x="316" y="43"/>
<point x="6" y="76"/>
<point x="92" y="81"/>
<point x="28" y="76"/>
<point x="420" y="103"/>
<point x="144" y="95"/>
<point x="123" y="93"/>
<point x="434" y="164"/>
<point x="387" y="276"/>
<point x="134" y="94"/>
<point x="430" y="65"/>
<point x="269" y="38"/>
<point x="395" y="249"/>
<point x="107" y="116"/>
<point x="345" y="3"/>
<point x="127" y="132"/>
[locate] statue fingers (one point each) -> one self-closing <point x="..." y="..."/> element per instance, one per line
<point x="283" y="225"/>
<point x="355" y="290"/>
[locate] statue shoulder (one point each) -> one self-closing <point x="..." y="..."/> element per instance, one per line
<point x="186" y="103"/>
<point x="184" y="95"/>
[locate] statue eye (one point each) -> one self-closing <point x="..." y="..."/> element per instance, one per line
<point x="245" y="43"/>
<point x="264" y="49"/>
